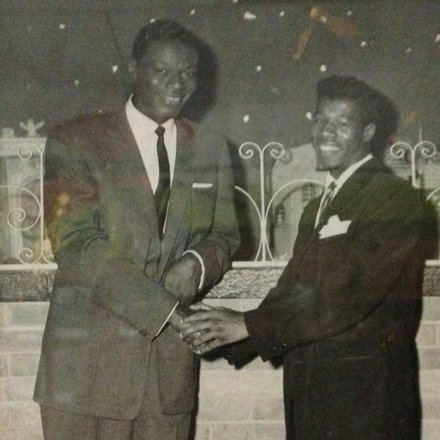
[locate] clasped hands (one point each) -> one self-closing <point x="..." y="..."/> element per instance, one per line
<point x="205" y="328"/>
<point x="201" y="326"/>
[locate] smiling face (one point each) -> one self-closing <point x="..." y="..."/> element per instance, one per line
<point x="339" y="136"/>
<point x="165" y="79"/>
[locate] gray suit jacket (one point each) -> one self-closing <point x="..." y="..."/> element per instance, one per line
<point x="108" y="303"/>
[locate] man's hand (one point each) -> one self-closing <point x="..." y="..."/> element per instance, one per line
<point x="183" y="278"/>
<point x="177" y="319"/>
<point x="210" y="328"/>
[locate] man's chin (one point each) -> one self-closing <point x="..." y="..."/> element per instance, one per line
<point x="169" y="113"/>
<point x="323" y="167"/>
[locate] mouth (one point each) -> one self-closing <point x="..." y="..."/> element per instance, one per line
<point x="328" y="148"/>
<point x="173" y="100"/>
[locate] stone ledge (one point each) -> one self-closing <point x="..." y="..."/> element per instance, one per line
<point x="26" y="285"/>
<point x="244" y="280"/>
<point x="250" y="280"/>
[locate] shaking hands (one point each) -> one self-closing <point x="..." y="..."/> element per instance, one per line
<point x="201" y="326"/>
<point x="208" y="328"/>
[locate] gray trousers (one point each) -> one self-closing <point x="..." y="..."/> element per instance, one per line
<point x="151" y="423"/>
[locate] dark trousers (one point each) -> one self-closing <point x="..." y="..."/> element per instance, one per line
<point x="354" y="397"/>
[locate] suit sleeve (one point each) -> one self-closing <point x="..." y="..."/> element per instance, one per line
<point x="223" y="238"/>
<point x="90" y="255"/>
<point x="340" y="280"/>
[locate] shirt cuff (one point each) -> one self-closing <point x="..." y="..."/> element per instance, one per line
<point x="202" y="265"/>
<point x="166" y="320"/>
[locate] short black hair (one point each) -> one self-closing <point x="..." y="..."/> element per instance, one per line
<point x="162" y="30"/>
<point x="375" y="107"/>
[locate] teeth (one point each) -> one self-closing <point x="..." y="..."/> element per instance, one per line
<point x="171" y="100"/>
<point x="328" y="148"/>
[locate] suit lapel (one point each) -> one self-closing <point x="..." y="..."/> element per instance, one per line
<point x="129" y="168"/>
<point x="348" y="199"/>
<point x="308" y="231"/>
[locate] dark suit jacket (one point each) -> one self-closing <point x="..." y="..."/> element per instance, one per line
<point x="107" y="303"/>
<point x="345" y="313"/>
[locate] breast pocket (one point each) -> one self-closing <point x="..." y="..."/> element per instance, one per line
<point x="333" y="251"/>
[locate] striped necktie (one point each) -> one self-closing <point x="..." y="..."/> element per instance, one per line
<point x="327" y="198"/>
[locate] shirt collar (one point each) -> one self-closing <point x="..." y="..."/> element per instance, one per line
<point x="138" y="119"/>
<point x="347" y="173"/>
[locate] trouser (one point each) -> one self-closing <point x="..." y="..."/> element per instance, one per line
<point x="151" y="423"/>
<point x="60" y="425"/>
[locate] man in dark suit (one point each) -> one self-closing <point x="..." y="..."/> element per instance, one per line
<point x="345" y="311"/>
<point x="139" y="210"/>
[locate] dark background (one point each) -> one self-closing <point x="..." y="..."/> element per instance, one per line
<point x="59" y="58"/>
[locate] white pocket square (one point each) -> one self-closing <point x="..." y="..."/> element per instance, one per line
<point x="334" y="226"/>
<point x="201" y="185"/>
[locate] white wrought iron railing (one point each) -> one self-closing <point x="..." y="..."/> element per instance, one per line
<point x="24" y="246"/>
<point x="420" y="152"/>
<point x="264" y="209"/>
<point x="420" y="157"/>
<point x="414" y="160"/>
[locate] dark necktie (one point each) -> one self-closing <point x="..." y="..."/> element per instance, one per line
<point x="162" y="193"/>
<point x="328" y="196"/>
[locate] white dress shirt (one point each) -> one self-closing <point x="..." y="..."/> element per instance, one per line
<point x="144" y="131"/>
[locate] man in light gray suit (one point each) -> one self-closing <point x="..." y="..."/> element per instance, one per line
<point x="139" y="210"/>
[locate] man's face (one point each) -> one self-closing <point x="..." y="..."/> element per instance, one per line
<point x="165" y="79"/>
<point x="339" y="136"/>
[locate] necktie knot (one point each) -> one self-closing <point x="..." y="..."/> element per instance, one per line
<point x="329" y="191"/>
<point x="160" y="131"/>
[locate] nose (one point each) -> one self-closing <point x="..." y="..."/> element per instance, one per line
<point x="175" y="81"/>
<point x="329" y="128"/>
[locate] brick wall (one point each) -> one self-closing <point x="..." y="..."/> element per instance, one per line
<point x="234" y="405"/>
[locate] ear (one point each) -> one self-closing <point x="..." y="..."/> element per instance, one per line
<point x="369" y="131"/>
